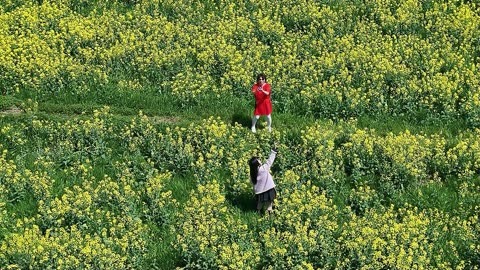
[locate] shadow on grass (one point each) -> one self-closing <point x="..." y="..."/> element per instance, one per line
<point x="245" y="202"/>
<point x="242" y="119"/>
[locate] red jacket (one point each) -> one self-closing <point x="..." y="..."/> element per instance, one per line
<point x="263" y="104"/>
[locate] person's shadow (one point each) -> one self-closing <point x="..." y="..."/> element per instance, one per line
<point x="244" y="201"/>
<point x="242" y="119"/>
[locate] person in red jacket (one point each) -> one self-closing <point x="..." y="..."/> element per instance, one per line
<point x="263" y="105"/>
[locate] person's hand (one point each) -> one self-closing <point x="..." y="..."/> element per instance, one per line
<point x="275" y="149"/>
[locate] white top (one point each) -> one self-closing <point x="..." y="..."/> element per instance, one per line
<point x="264" y="178"/>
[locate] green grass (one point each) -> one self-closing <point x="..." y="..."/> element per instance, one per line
<point x="7" y="102"/>
<point x="444" y="196"/>
<point x="416" y="124"/>
<point x="162" y="255"/>
<point x="229" y="108"/>
<point x="167" y="112"/>
<point x="60" y="100"/>
<point x="23" y="205"/>
<point x="181" y="187"/>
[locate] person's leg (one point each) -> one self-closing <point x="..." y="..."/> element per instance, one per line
<point x="259" y="207"/>
<point x="269" y="207"/>
<point x="269" y="122"/>
<point x="254" y="122"/>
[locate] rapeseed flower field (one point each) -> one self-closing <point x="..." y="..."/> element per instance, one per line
<point x="107" y="190"/>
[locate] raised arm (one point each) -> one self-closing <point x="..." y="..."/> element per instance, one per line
<point x="270" y="160"/>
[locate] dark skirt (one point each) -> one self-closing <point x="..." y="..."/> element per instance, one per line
<point x="267" y="196"/>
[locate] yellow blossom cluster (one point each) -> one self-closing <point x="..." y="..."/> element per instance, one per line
<point x="78" y="230"/>
<point x="399" y="157"/>
<point x="392" y="239"/>
<point x="333" y="180"/>
<point x="363" y="198"/>
<point x="401" y="239"/>
<point x="319" y="146"/>
<point x="18" y="182"/>
<point x="90" y="226"/>
<point x="80" y="219"/>
<point x="209" y="234"/>
<point x="303" y="230"/>
<point x="334" y="59"/>
<point x="75" y="141"/>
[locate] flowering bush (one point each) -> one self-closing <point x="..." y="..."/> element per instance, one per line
<point x="381" y="57"/>
<point x="80" y="206"/>
<point x="93" y="192"/>
<point x="209" y="235"/>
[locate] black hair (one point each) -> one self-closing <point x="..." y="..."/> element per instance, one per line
<point x="261" y="75"/>
<point x="254" y="163"/>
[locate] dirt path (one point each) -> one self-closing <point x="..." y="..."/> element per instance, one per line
<point x="12" y="111"/>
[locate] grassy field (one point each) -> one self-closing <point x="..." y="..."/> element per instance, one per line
<point x="125" y="134"/>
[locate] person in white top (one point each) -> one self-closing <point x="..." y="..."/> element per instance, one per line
<point x="262" y="181"/>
